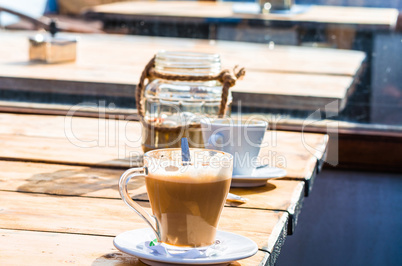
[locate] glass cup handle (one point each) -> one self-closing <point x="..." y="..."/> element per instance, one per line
<point x="124" y="179"/>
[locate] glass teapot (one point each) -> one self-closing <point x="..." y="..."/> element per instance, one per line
<point x="182" y="88"/>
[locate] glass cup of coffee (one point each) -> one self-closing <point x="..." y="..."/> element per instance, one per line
<point x="186" y="198"/>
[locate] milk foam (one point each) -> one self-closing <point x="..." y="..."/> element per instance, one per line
<point x="191" y="173"/>
<point x="205" y="166"/>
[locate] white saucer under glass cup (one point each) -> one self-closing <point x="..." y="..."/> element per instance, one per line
<point x="186" y="198"/>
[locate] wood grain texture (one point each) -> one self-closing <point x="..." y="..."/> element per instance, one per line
<point x="62" y="110"/>
<point x="377" y="18"/>
<point x="113" y="143"/>
<point x="93" y="210"/>
<point x="60" y="139"/>
<point x="64" y="180"/>
<point x="59" y="248"/>
<point x="119" y="59"/>
<point x="109" y="217"/>
<point x="283" y="77"/>
<point x="54" y="179"/>
<point x="276" y="193"/>
<point x="33" y="196"/>
<point x="297" y="90"/>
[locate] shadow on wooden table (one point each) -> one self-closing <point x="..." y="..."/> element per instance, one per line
<point x="255" y="190"/>
<point x="68" y="180"/>
<point x="117" y="258"/>
<point x="77" y="181"/>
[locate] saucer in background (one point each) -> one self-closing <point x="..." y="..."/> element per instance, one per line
<point x="258" y="178"/>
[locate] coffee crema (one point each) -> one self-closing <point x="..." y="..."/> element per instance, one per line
<point x="187" y="207"/>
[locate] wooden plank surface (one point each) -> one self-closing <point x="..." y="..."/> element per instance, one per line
<point x="289" y="152"/>
<point x="299" y="90"/>
<point x="63" y="109"/>
<point x="72" y="180"/>
<point x="376" y="18"/>
<point x="110" y="217"/>
<point x="43" y="139"/>
<point x="116" y="143"/>
<point x="34" y="201"/>
<point x="111" y="66"/>
<point x="54" y="179"/>
<point x="122" y="57"/>
<point x="272" y="195"/>
<point x="82" y="201"/>
<point x="59" y="248"/>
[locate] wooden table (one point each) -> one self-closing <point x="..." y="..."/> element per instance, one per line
<point x="341" y="27"/>
<point x="285" y="77"/>
<point x="333" y="26"/>
<point x="59" y="201"/>
<point x="224" y="12"/>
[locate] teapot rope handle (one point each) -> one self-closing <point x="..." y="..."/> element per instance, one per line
<point x="225" y="77"/>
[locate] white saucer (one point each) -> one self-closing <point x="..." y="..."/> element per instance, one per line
<point x="258" y="177"/>
<point x="238" y="247"/>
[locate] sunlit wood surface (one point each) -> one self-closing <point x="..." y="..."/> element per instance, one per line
<point x="63" y="195"/>
<point x="117" y="143"/>
<point x="199" y="11"/>
<point x="288" y="77"/>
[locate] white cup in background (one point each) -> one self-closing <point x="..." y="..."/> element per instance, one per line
<point x="241" y="138"/>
